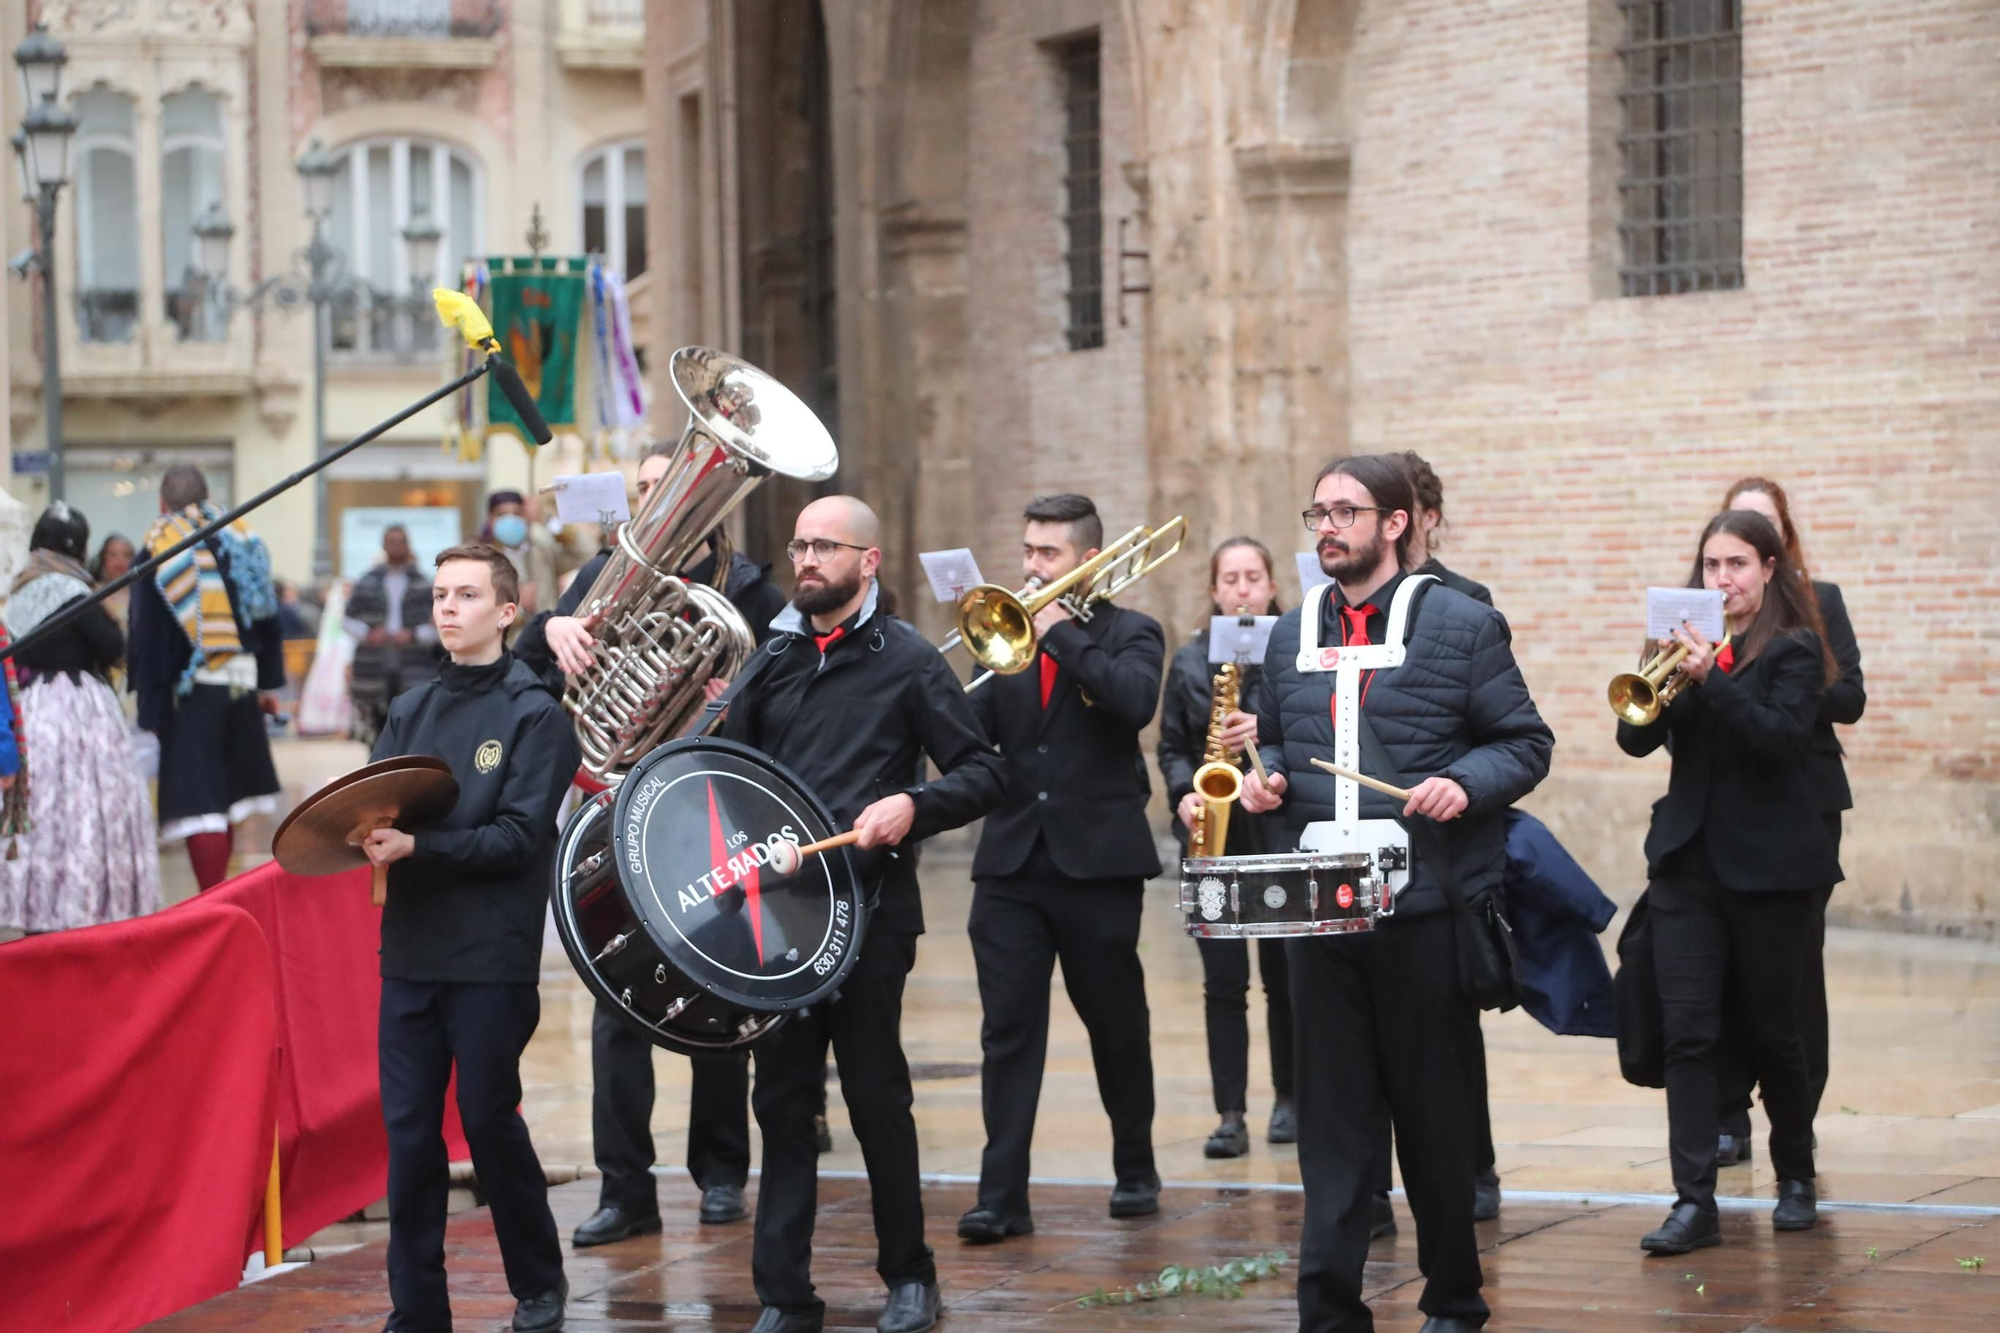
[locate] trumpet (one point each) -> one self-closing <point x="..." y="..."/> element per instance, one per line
<point x="1638" y="696"/>
<point x="998" y="627"/>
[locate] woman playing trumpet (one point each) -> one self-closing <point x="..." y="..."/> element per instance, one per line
<point x="1240" y="579"/>
<point x="1739" y="858"/>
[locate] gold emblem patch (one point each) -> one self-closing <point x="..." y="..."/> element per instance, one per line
<point x="488" y="757"/>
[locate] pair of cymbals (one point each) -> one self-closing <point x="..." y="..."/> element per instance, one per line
<point x="323" y="835"/>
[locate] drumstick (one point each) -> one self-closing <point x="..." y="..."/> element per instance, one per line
<point x="1362" y="778"/>
<point x="1256" y="761"/>
<point x="787" y="857"/>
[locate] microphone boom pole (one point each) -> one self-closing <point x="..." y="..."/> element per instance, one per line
<point x="138" y="571"/>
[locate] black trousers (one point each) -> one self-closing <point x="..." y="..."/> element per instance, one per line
<point x="863" y="1024"/>
<point x="1483" y="1159"/>
<point x="621" y="1116"/>
<point x="1383" y="1036"/>
<point x="1707" y="938"/>
<point x="424" y="1028"/>
<point x="1739" y="1067"/>
<point x="1020" y="925"/>
<point x="1225" y="997"/>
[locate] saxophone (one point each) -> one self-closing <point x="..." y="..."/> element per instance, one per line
<point x="1218" y="781"/>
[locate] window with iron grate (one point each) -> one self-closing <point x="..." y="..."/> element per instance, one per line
<point x="1083" y="191"/>
<point x="1681" y="147"/>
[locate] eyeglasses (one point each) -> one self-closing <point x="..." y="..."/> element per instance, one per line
<point x="822" y="548"/>
<point x="1343" y="516"/>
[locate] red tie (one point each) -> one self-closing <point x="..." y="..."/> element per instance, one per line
<point x="1354" y="634"/>
<point x="826" y="641"/>
<point x="1725" y="657"/>
<point x="1048" y="678"/>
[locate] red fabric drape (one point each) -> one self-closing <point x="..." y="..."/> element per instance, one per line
<point x="137" y="1082"/>
<point x="333" y="1157"/>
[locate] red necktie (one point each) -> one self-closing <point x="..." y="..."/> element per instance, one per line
<point x="826" y="641"/>
<point x="1354" y="635"/>
<point x="1048" y="678"/>
<point x="1725" y="658"/>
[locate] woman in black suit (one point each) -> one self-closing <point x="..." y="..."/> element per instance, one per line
<point x="1240" y="578"/>
<point x="1739" y="860"/>
<point x="1841" y="704"/>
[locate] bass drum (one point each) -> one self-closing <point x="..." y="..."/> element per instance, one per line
<point x="668" y="907"/>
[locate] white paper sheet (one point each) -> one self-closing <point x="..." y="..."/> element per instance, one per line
<point x="591" y="497"/>
<point x="952" y="573"/>
<point x="1229" y="640"/>
<point x="1666" y="608"/>
<point x="1310" y="574"/>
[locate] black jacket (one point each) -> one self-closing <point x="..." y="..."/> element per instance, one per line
<point x="1456" y="581"/>
<point x="855" y="723"/>
<point x="382" y="669"/>
<point x="1076" y="778"/>
<point x="90" y="645"/>
<point x="1841" y="703"/>
<point x="467" y="905"/>
<point x="1457" y="707"/>
<point x="1740" y="802"/>
<point x="1184" y="716"/>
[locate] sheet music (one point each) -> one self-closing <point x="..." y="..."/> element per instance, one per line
<point x="952" y="573"/>
<point x="1666" y="608"/>
<point x="1229" y="640"/>
<point x="591" y="497"/>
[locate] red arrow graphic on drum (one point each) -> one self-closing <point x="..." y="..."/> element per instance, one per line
<point x="718" y="850"/>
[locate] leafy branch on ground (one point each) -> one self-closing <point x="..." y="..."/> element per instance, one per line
<point x="1221" y="1280"/>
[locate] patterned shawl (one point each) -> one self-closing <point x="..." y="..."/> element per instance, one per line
<point x="201" y="601"/>
<point x="50" y="582"/>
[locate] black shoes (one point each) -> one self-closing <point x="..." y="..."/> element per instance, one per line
<point x="912" y="1308"/>
<point x="1798" y="1206"/>
<point x="722" y="1203"/>
<point x="1687" y="1228"/>
<point x="1136" y="1198"/>
<point x="1486" y="1195"/>
<point x="1732" y="1150"/>
<point x="1382" y="1219"/>
<point x="1230" y="1139"/>
<point x="774" y="1320"/>
<point x="543" y="1313"/>
<point x="985" y="1226"/>
<point x="1284" y="1127"/>
<point x="611" y="1223"/>
<point x="1438" y="1323"/>
<point x="822" y="1135"/>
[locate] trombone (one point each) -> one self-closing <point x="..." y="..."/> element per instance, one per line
<point x="998" y="626"/>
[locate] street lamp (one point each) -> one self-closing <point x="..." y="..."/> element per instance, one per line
<point x="319" y="279"/>
<point x="41" y="150"/>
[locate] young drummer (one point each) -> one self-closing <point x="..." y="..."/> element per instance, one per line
<point x="462" y="945"/>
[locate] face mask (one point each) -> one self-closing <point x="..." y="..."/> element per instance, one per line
<point x="510" y="529"/>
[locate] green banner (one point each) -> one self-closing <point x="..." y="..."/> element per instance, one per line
<point x="538" y="317"/>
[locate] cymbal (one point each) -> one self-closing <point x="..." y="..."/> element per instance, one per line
<point x="407" y="792"/>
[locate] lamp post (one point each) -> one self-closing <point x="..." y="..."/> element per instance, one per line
<point x="320" y="279"/>
<point x="42" y="153"/>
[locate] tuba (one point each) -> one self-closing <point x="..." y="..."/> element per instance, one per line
<point x="658" y="638"/>
<point x="1218" y="781"/>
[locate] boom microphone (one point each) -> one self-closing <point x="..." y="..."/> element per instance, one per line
<point x="517" y="393"/>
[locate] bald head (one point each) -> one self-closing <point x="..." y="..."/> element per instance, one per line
<point x="842" y="518"/>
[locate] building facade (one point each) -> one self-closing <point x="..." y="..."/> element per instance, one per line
<point x="481" y="116"/>
<point x="1593" y="258"/>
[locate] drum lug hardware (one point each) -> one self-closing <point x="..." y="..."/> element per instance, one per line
<point x="1235" y="897"/>
<point x="1393" y="858"/>
<point x="659" y="974"/>
<point x="611" y="946"/>
<point x="588" y="865"/>
<point x="674" y="1010"/>
<point x="1312" y="896"/>
<point x="625" y="997"/>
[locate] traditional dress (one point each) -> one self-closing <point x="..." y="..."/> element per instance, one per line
<point x="89" y="854"/>
<point x="205" y="642"/>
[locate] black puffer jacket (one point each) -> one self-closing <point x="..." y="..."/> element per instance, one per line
<point x="1456" y="707"/>
<point x="1184" y="709"/>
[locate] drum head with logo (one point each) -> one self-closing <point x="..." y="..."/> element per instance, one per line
<point x="693" y="830"/>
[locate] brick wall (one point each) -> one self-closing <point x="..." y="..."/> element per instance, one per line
<point x="1044" y="418"/>
<point x="1585" y="439"/>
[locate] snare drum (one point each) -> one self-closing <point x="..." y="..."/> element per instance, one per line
<point x="1304" y="893"/>
<point x="667" y="906"/>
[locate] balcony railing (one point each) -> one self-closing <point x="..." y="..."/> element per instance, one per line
<point x="404" y="18"/>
